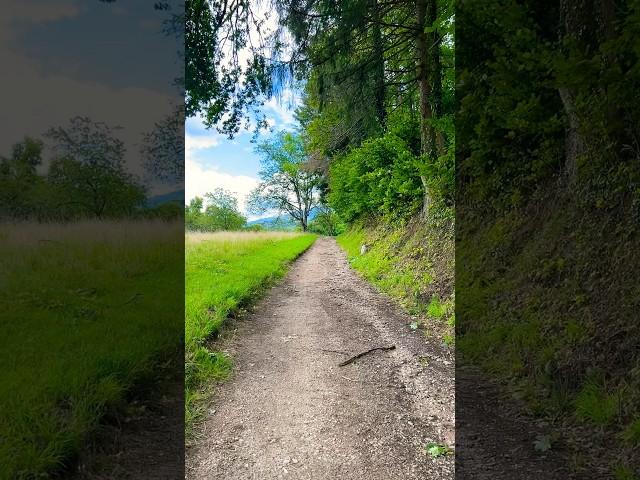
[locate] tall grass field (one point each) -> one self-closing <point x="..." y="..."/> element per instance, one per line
<point x="86" y="310"/>
<point x="223" y="272"/>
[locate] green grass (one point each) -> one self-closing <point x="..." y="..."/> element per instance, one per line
<point x="86" y="311"/>
<point x="543" y="311"/>
<point x="223" y="272"/>
<point x="631" y="433"/>
<point x="412" y="263"/>
<point x="595" y="404"/>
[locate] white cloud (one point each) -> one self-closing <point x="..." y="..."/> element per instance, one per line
<point x="282" y="109"/>
<point x="53" y="99"/>
<point x="202" y="179"/>
<point x="193" y="143"/>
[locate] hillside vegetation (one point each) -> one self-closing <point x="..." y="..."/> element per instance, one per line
<point x="412" y="263"/>
<point x="547" y="219"/>
<point x="225" y="272"/>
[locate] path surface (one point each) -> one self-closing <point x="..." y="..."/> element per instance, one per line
<point x="290" y="412"/>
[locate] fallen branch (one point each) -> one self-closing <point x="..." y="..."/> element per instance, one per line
<point x="354" y="358"/>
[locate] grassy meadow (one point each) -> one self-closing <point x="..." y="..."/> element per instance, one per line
<point x="223" y="272"/>
<point x="86" y="311"/>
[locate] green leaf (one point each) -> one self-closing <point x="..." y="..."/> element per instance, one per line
<point x="436" y="450"/>
<point x="543" y="443"/>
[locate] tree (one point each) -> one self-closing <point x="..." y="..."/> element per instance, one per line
<point x="367" y="59"/>
<point x="218" y="212"/>
<point x="19" y="182"/>
<point x="88" y="174"/>
<point x="287" y="185"/>
<point x="217" y="84"/>
<point x="163" y="148"/>
<point x="326" y="222"/>
<point x="193" y="214"/>
<point x="222" y="209"/>
<point x="88" y="142"/>
<point x="93" y="190"/>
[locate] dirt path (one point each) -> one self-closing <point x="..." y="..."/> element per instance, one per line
<point x="291" y="412"/>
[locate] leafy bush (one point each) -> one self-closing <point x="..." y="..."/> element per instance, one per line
<point x="380" y="176"/>
<point x="326" y="222"/>
<point x="220" y="213"/>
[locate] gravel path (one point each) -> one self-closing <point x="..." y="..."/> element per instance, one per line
<point x="291" y="413"/>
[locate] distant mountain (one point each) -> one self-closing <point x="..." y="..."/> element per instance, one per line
<point x="174" y="197"/>
<point x="283" y="222"/>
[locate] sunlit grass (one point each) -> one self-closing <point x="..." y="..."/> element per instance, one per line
<point x="223" y="272"/>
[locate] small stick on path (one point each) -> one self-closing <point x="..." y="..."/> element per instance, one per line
<point x="355" y="357"/>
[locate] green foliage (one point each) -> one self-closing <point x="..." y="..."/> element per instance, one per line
<point x="109" y="307"/>
<point x="500" y="124"/>
<point x="214" y="35"/>
<point x="21" y="189"/>
<point x="623" y="472"/>
<point x="163" y="148"/>
<point x="436" y="450"/>
<point x="219" y="213"/>
<point x="82" y="190"/>
<point x="631" y="433"/>
<point x="595" y="404"/>
<point x="435" y="308"/>
<point x="326" y="222"/>
<point x="381" y="176"/>
<point x="223" y="274"/>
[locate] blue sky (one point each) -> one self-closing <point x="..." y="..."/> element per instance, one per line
<point x="212" y="160"/>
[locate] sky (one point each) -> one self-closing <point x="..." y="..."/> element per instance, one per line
<point x="212" y="160"/>
<point x="111" y="62"/>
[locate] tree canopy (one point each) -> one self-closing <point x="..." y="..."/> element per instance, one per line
<point x="288" y="185"/>
<point x="218" y="210"/>
<point x="86" y="178"/>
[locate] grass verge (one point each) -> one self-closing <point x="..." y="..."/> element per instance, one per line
<point x="223" y="272"/>
<point x="86" y="310"/>
<point x="412" y="262"/>
<point x="547" y="306"/>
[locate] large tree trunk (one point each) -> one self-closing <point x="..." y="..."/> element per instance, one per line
<point x="577" y="23"/>
<point x="424" y="10"/>
<point x="435" y="67"/>
<point x="378" y="52"/>
<point x="573" y="142"/>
